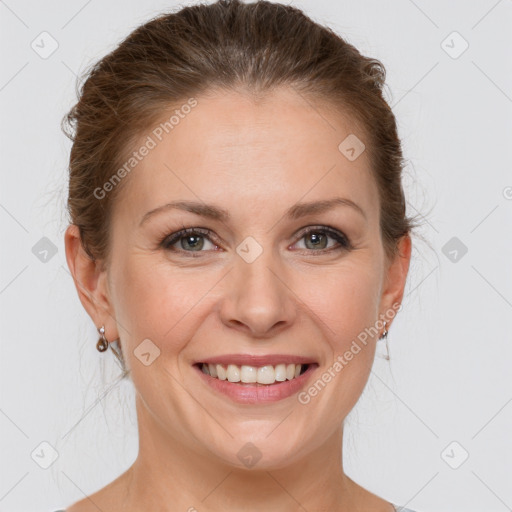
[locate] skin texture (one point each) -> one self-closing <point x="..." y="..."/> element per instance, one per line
<point x="254" y="159"/>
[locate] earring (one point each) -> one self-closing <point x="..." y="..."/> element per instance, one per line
<point x="384" y="336"/>
<point x="102" y="344"/>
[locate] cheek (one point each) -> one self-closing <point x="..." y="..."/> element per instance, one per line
<point x="156" y="301"/>
<point x="347" y="299"/>
<point x="354" y="311"/>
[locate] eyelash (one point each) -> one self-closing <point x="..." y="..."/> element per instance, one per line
<point x="344" y="243"/>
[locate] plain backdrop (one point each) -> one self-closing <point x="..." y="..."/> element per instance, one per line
<point x="433" y="428"/>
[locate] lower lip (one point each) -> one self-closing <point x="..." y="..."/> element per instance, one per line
<point x="254" y="394"/>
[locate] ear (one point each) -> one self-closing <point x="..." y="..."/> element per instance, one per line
<point x="396" y="276"/>
<point x="91" y="283"/>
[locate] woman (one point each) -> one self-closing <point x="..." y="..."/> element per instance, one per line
<point x="238" y="236"/>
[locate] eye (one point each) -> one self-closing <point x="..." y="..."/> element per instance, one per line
<point x="316" y="239"/>
<point x="190" y="240"/>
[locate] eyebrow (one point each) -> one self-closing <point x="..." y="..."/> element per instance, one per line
<point x="293" y="213"/>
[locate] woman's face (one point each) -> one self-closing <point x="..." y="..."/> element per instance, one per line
<point x="252" y="281"/>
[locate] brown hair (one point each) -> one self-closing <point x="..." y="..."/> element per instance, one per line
<point x="227" y="45"/>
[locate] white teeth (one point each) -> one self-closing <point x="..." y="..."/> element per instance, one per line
<point x="233" y="373"/>
<point x="213" y="370"/>
<point x="221" y="372"/>
<point x="249" y="374"/>
<point x="267" y="374"/>
<point x="281" y="372"/>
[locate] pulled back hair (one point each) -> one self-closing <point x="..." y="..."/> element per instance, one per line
<point x="228" y="46"/>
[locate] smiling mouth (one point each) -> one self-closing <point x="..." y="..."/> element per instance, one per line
<point x="254" y="375"/>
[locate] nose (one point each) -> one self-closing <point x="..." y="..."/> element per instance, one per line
<point x="258" y="300"/>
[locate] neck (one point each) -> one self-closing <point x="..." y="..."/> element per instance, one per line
<point x="169" y="475"/>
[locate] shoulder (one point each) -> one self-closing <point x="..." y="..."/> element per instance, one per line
<point x="88" y="504"/>
<point x="106" y="498"/>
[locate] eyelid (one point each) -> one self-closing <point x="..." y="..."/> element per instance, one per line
<point x="323" y="228"/>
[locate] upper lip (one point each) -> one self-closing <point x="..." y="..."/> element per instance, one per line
<point x="256" y="360"/>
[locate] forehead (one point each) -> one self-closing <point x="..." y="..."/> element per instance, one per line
<point x="268" y="152"/>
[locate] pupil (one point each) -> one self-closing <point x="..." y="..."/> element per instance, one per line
<point x="195" y="243"/>
<point x="317" y="240"/>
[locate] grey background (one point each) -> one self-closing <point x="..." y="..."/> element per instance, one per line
<point x="449" y="378"/>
